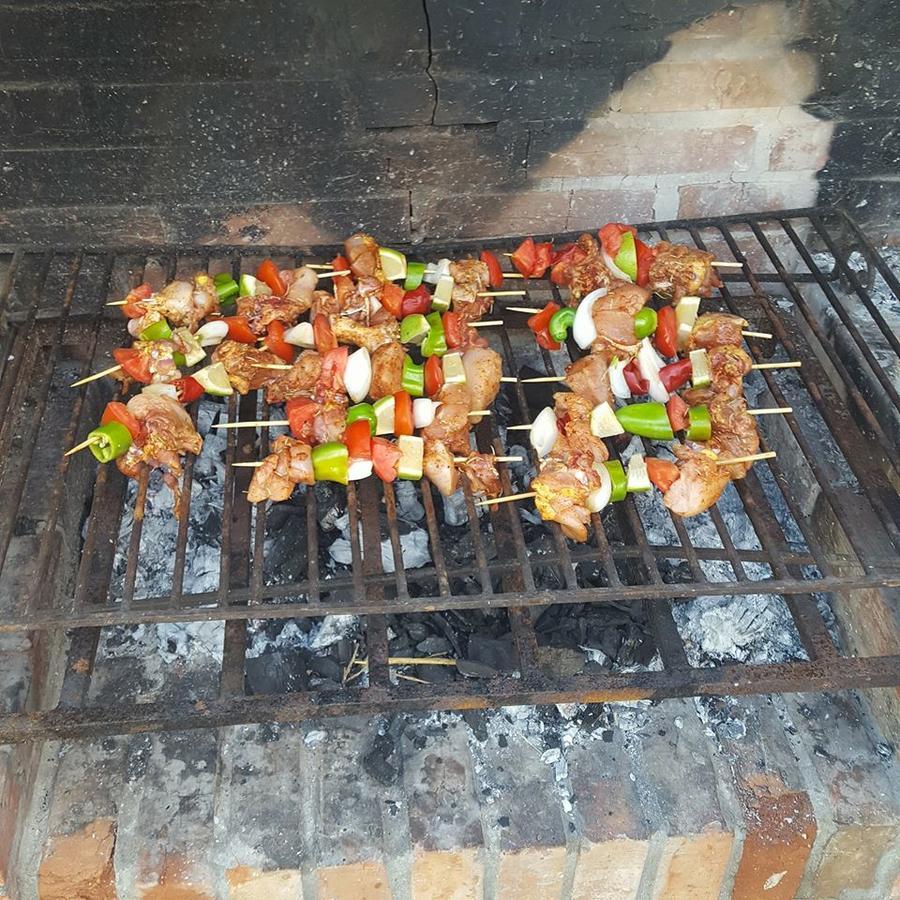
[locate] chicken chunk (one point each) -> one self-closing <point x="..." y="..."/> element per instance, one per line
<point x="301" y="285"/>
<point x="387" y="370"/>
<point x="481" y="472"/>
<point x="679" y="271"/>
<point x="324" y="304"/>
<point x="576" y="445"/>
<point x="187" y="302"/>
<point x="261" y="311"/>
<point x="624" y="296"/>
<point x="288" y="465"/>
<point x="589" y="377"/>
<point x="439" y="468"/>
<point x="348" y="331"/>
<point x="362" y="254"/>
<point x="470" y="277"/>
<point x="451" y="421"/>
<point x="699" y="484"/>
<point x="562" y="495"/>
<point x="483" y="370"/>
<point x="715" y="329"/>
<point x="729" y="365"/>
<point x="299" y="382"/>
<point x="615" y="331"/>
<point x="587" y="273"/>
<point x="243" y="361"/>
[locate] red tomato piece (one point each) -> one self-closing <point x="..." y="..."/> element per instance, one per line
<point x="417" y="301"/>
<point x="277" y="344"/>
<point x="392" y="299"/>
<point x="358" y="438"/>
<point x="385" y="456"/>
<point x="523" y="258"/>
<point x="637" y="384"/>
<point x="300" y="413"/>
<point x="134" y="306"/>
<point x="662" y="472"/>
<point x="434" y="375"/>
<point x="268" y="273"/>
<point x="677" y="410"/>
<point x="645" y="257"/>
<point x="543" y="254"/>
<point x="540" y="320"/>
<point x="676" y="374"/>
<point x="189" y="389"/>
<point x="119" y="412"/>
<point x="611" y="236"/>
<point x="323" y="335"/>
<point x="239" y="329"/>
<point x="666" y="334"/>
<point x="453" y="330"/>
<point x="544" y="340"/>
<point x="495" y="273"/>
<point x="403" y="413"/>
<point x="340" y="263"/>
<point x="331" y="375"/>
<point x="135" y="364"/>
<point x="561" y="252"/>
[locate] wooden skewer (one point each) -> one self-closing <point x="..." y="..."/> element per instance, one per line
<point x="513" y="275"/>
<point x="501" y="294"/>
<point x="544" y="379"/>
<point x="519" y="427"/>
<point x="95" y="376"/>
<point x="462" y="459"/>
<point x="412" y="661"/>
<point x="770" y="411"/>
<point x="81" y="446"/>
<point x="526" y="496"/>
<point x="757" y="334"/>
<point x="791" y="364"/>
<point x="257" y="423"/>
<point x="530" y="310"/>
<point x="280" y="367"/>
<point x="771" y="454"/>
<point x="488" y="324"/>
<point x="510" y="379"/>
<point x="723" y="264"/>
<point x="480" y="412"/>
<point x="117" y="303"/>
<point x="334" y="274"/>
<point x="326" y="266"/>
<point x="248" y="465"/>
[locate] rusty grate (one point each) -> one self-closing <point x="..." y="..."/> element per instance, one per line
<point x="822" y="517"/>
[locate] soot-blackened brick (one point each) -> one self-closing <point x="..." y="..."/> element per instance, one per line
<point x="865" y="147"/>
<point x="38" y="110"/>
<point x="474" y="29"/>
<point x="396" y="100"/>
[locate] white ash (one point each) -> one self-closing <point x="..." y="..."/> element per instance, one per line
<point x="174" y="641"/>
<point x="414" y="546"/>
<point x="323" y="633"/>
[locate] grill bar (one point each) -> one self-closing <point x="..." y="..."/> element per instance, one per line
<point x="103" y="581"/>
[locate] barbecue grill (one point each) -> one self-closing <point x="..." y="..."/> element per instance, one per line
<point x="824" y="512"/>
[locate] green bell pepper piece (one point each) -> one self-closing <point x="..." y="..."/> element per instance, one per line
<point x="109" y="441"/>
<point x="158" y="331"/>
<point x="649" y="420"/>
<point x="436" y="342"/>
<point x="362" y="411"/>
<point x="227" y="289"/>
<point x="414" y="329"/>
<point x="560" y="323"/>
<point x="645" y="322"/>
<point x="179" y="359"/>
<point x="619" y="479"/>
<point x="331" y="462"/>
<point x="415" y="273"/>
<point x="413" y="378"/>
<point x="699" y="424"/>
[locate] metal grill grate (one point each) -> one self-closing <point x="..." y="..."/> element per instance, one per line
<point x="823" y="515"/>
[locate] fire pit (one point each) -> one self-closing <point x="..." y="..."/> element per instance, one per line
<point x="453" y="607"/>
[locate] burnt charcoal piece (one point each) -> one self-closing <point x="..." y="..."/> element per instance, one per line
<point x="473" y="669"/>
<point x="277" y="672"/>
<point x="375" y="762"/>
<point x="435" y="674"/>
<point x="433" y="645"/>
<point x="326" y="667"/>
<point x="496" y="653"/>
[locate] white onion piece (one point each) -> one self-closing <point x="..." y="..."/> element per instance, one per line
<point x="617" y="381"/>
<point x="544" y="431"/>
<point x="423" y="412"/>
<point x="584" y="331"/>
<point x="614" y="270"/>
<point x="600" y="497"/>
<point x="161" y="389"/>
<point x="301" y="335"/>
<point x="359" y="469"/>
<point x="212" y="333"/>
<point x="649" y="363"/>
<point x="358" y="375"/>
<point x="135" y="326"/>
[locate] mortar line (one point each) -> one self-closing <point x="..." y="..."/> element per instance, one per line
<point x="396" y="838"/>
<point x="221" y="805"/>
<point x="306" y="810"/>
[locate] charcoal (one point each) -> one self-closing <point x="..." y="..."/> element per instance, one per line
<point x="435" y="674"/>
<point x="326" y="667"/>
<point x="343" y="650"/>
<point x="417" y="631"/>
<point x="562" y="662"/>
<point x="277" y="672"/>
<point x="496" y="653"/>
<point x="375" y="762"/>
<point x="472" y="669"/>
<point x="433" y="645"/>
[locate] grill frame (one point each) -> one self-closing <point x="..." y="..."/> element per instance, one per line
<point x="242" y="593"/>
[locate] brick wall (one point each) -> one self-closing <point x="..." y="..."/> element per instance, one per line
<point x="295" y="121"/>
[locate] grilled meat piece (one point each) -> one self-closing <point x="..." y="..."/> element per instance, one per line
<point x="589" y="377"/>
<point x="470" y="276"/>
<point x="586" y="274"/>
<point x="679" y="271"/>
<point x="288" y="464"/>
<point x="348" y="331"/>
<point x="561" y="496"/>
<point x="299" y="382"/>
<point x="301" y="285"/>
<point x="700" y="481"/>
<point x="481" y="471"/>
<point x="361" y="300"/>
<point x="576" y="445"/>
<point x="715" y="329"/>
<point x="387" y="370"/>
<point x="169" y="432"/>
<point x="615" y="331"/>
<point x="263" y="310"/>
<point x="187" y="302"/>
<point x="330" y="421"/>
<point x="242" y="363"/>
<point x="729" y="365"/>
<point x="160" y="362"/>
<point x="362" y="254"/>
<point x="439" y="468"/>
<point x="324" y="304"/>
<point x="483" y="370"/>
<point x="624" y="296"/>
<point x="451" y="421"/>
